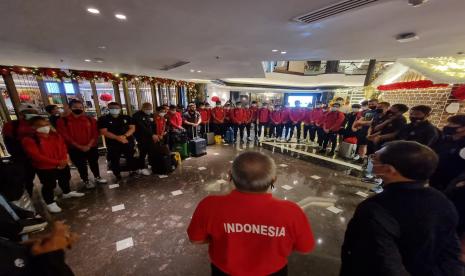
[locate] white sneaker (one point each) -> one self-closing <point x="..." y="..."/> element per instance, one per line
<point x="356" y="157"/>
<point x="73" y="194"/>
<point x="89" y="184"/>
<point x="144" y="172"/>
<point x="100" y="180"/>
<point x="53" y="208"/>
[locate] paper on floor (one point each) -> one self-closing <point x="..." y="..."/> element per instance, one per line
<point x="221" y="181"/>
<point x="123" y="244"/>
<point x="117" y="208"/>
<point x="202" y="168"/>
<point x="162" y="176"/>
<point x="177" y="192"/>
<point x="283" y="165"/>
<point x="316" y="177"/>
<point x="287" y="187"/>
<point x="334" y="209"/>
<point x="362" y="194"/>
<point x="112" y="186"/>
<point x="188" y="158"/>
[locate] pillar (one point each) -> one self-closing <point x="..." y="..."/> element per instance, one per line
<point x="12" y="92"/>
<point x="153" y="89"/>
<point x="370" y="72"/>
<point x="95" y="97"/>
<point x="138" y="95"/>
<point x="127" y="98"/>
<point x="43" y="90"/>
<point x="116" y="92"/>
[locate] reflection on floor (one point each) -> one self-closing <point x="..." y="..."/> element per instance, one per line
<point x="139" y="227"/>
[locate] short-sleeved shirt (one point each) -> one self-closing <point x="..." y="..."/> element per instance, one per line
<point x="191" y="117"/>
<point x="116" y="125"/>
<point x="250" y="233"/>
<point x="422" y="132"/>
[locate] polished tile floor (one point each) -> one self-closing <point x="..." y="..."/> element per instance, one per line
<point x="139" y="228"/>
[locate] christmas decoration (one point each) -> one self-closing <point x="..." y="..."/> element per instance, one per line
<point x="106" y="97"/>
<point x="411" y="85"/>
<point x="24" y="97"/>
<point x="215" y="99"/>
<point x="459" y="92"/>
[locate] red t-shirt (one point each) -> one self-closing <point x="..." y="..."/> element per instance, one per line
<point x="78" y="130"/>
<point x="250" y="234"/>
<point x="253" y="114"/>
<point x="318" y="116"/>
<point x="286" y="113"/>
<point x="333" y="120"/>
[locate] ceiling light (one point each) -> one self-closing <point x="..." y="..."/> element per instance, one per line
<point x="407" y="37"/>
<point x="274" y="50"/>
<point x="87" y="60"/>
<point x="416" y="3"/>
<point x="199" y="71"/>
<point x="192" y="70"/>
<point x="283" y="52"/>
<point x="98" y="60"/>
<point x="120" y="16"/>
<point x="93" y="10"/>
<point x="102" y="47"/>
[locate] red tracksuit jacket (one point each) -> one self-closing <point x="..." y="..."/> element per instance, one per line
<point x="78" y="130"/>
<point x="45" y="151"/>
<point x="286" y="113"/>
<point x="297" y="114"/>
<point x="238" y="116"/>
<point x="217" y="114"/>
<point x="205" y="115"/>
<point x="318" y="116"/>
<point x="263" y="115"/>
<point x="333" y="120"/>
<point x="249" y="116"/>
<point x="276" y="117"/>
<point x="253" y="114"/>
<point x="308" y="119"/>
<point x="160" y="125"/>
<point x="174" y="120"/>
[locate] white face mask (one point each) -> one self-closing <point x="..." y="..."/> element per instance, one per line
<point x="44" y="129"/>
<point x="333" y="109"/>
<point x="115" y="112"/>
<point x="162" y="114"/>
<point x="148" y="112"/>
<point x="29" y="116"/>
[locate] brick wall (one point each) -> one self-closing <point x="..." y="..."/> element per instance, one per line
<point x="437" y="99"/>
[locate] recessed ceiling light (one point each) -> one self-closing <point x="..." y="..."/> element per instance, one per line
<point x="87" y="60"/>
<point x="283" y="52"/>
<point x="102" y="47"/>
<point x="120" y="16"/>
<point x="407" y="37"/>
<point x="275" y="50"/>
<point x="93" y="10"/>
<point x="199" y="71"/>
<point x="98" y="60"/>
<point x="416" y="3"/>
<point x="192" y="70"/>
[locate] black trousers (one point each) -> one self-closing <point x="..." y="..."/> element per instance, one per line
<point x="276" y="130"/>
<point x="114" y="152"/>
<point x="29" y="173"/>
<point x="203" y="129"/>
<point x="310" y="129"/>
<point x="264" y="125"/>
<point x="218" y="272"/>
<point x="330" y="137"/>
<point x="81" y="159"/>
<point x="241" y="128"/>
<point x="218" y="129"/>
<point x="144" y="148"/>
<point x="49" y="179"/>
<point x="321" y="135"/>
<point x="247" y="129"/>
<point x="286" y="128"/>
<point x="298" y="126"/>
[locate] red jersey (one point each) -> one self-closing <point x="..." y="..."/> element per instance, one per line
<point x="245" y="238"/>
<point x="205" y="115"/>
<point x="248" y="116"/>
<point x="253" y="114"/>
<point x="286" y="113"/>
<point x="238" y="116"/>
<point x="227" y="114"/>
<point x="333" y="120"/>
<point x="79" y="130"/>
<point x="45" y="151"/>
<point x="297" y="114"/>
<point x="217" y="114"/>
<point x="263" y="115"/>
<point x="318" y="116"/>
<point x="13" y="132"/>
<point x="276" y="117"/>
<point x="174" y="120"/>
<point x="160" y="125"/>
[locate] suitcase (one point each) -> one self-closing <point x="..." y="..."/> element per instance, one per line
<point x="209" y="136"/>
<point x="229" y="136"/>
<point x="182" y="148"/>
<point x="163" y="163"/>
<point x="347" y="150"/>
<point x="197" y="146"/>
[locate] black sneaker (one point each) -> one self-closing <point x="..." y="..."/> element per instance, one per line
<point x="322" y="151"/>
<point x="331" y="153"/>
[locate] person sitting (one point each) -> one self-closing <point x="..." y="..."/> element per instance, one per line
<point x="118" y="130"/>
<point x="191" y="120"/>
<point x="361" y="127"/>
<point x="54" y="114"/>
<point x="81" y="136"/>
<point x="145" y="135"/>
<point x="49" y="155"/>
<point x="420" y="129"/>
<point x="160" y="125"/>
<point x="332" y="123"/>
<point x="409" y="229"/>
<point x="244" y="237"/>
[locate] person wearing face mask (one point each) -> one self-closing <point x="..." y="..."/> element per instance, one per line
<point x="13" y="133"/>
<point x="145" y="135"/>
<point x="238" y="118"/>
<point x="160" y="125"/>
<point x="118" y="130"/>
<point x="420" y="129"/>
<point x="276" y="122"/>
<point x="451" y="151"/>
<point x="205" y="115"/>
<point x="318" y="118"/>
<point x="253" y="119"/>
<point x="350" y="120"/>
<point x="331" y="125"/>
<point x="309" y="124"/>
<point x="361" y="127"/>
<point x="49" y="155"/>
<point x="296" y="117"/>
<point x="286" y="112"/>
<point x="385" y="128"/>
<point x="191" y="120"/>
<point x="54" y="114"/>
<point x="248" y="120"/>
<point x="263" y="119"/>
<point x="227" y="116"/>
<point x="410" y="228"/>
<point x="217" y="117"/>
<point x="81" y="136"/>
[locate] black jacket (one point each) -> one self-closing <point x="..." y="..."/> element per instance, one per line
<point x="451" y="162"/>
<point x="409" y="229"/>
<point x="423" y="132"/>
<point x="145" y="126"/>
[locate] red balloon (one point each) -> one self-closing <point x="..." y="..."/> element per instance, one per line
<point x="215" y="99"/>
<point x="106" y="97"/>
<point x="24" y="97"/>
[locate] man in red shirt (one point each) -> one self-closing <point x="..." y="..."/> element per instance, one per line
<point x="217" y="117"/>
<point x="205" y="115"/>
<point x="250" y="232"/>
<point x="276" y="121"/>
<point x="81" y="135"/>
<point x="319" y="116"/>
<point x="253" y="119"/>
<point x="160" y="124"/>
<point x="332" y="123"/>
<point x="238" y="117"/>
<point x="227" y="116"/>
<point x="286" y="121"/>
<point x="49" y="157"/>
<point x="309" y="124"/>
<point x="263" y="118"/>
<point x="173" y="125"/>
<point x="296" y="117"/>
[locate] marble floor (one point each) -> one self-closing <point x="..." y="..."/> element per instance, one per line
<point x="139" y="227"/>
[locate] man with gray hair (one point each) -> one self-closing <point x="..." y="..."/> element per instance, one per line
<point x="250" y="232"/>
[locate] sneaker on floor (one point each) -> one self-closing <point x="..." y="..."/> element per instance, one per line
<point x="242" y="142"/>
<point x="356" y="157"/>
<point x="73" y="194"/>
<point x="331" y="153"/>
<point x="249" y="139"/>
<point x="53" y="208"/>
<point x="144" y="172"/>
<point x="377" y="189"/>
<point x="89" y="185"/>
<point x="100" y="180"/>
<point x="322" y="151"/>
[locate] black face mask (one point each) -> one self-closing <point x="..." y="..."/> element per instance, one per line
<point x="449" y="131"/>
<point x="379" y="110"/>
<point x="77" y="111"/>
<point x="372" y="107"/>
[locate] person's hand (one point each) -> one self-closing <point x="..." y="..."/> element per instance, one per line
<point x="85" y="148"/>
<point x="122" y="139"/>
<point x="155" y="138"/>
<point x="60" y="239"/>
<point x="326" y="130"/>
<point x="62" y="164"/>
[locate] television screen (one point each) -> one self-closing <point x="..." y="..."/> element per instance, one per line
<point x="304" y="100"/>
